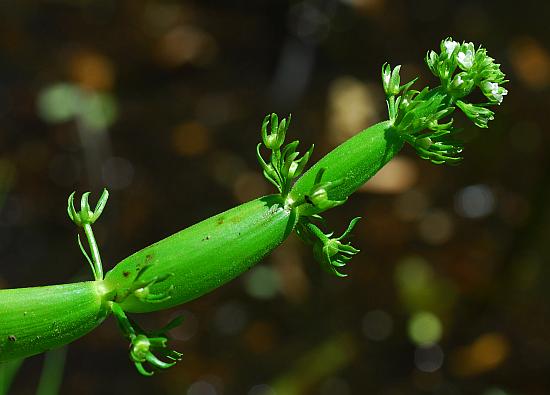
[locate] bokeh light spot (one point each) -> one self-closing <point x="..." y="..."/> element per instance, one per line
<point x="428" y="358"/>
<point x="413" y="271"/>
<point x="352" y="105"/>
<point x="58" y="103"/>
<point x="377" y="325"/>
<point x="262" y="282"/>
<point x="91" y="70"/>
<point x="411" y="205"/>
<point x="475" y="201"/>
<point x="201" y="388"/>
<point x="97" y="110"/>
<point x="486" y="353"/>
<point x="425" y="328"/>
<point x="186" y="44"/>
<point x="397" y="176"/>
<point x="531" y="62"/>
<point x="190" y="139"/>
<point x="230" y="318"/>
<point x="261" y="389"/>
<point x="436" y="227"/>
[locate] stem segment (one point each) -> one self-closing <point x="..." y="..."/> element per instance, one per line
<point x="96" y="258"/>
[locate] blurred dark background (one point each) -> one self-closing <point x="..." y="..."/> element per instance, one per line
<point x="161" y="102"/>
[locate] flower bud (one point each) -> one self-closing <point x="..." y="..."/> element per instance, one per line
<point x="386" y="76"/>
<point x="391" y="80"/>
<point x="480" y="116"/>
<point x="431" y="60"/>
<point x="276" y="138"/>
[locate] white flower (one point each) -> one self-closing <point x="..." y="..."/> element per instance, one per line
<point x="465" y="59"/>
<point x="493" y="91"/>
<point x="458" y="81"/>
<point x="386" y="80"/>
<point x="493" y="87"/>
<point x="450" y="46"/>
<point x="500" y="94"/>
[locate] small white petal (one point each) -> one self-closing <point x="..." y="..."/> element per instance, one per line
<point x="499" y="96"/>
<point x="450" y="46"/>
<point x="465" y="59"/>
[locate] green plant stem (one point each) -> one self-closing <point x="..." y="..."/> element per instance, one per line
<point x="96" y="258"/>
<point x="353" y="163"/>
<point x="205" y="255"/>
<point x="38" y="319"/>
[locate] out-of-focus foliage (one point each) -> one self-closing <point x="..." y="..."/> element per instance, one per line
<point x="160" y="101"/>
<point x="63" y="102"/>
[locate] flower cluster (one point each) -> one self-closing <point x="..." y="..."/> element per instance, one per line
<point x="418" y="115"/>
<point x="461" y="68"/>
<point x="284" y="164"/>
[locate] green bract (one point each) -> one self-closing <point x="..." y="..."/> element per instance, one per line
<point x="188" y="264"/>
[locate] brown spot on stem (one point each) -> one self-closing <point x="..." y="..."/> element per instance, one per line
<point x="126" y="273"/>
<point x="12" y="338"/>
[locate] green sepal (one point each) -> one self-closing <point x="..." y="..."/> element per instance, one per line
<point x="86" y="215"/>
<point x="275" y="139"/>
